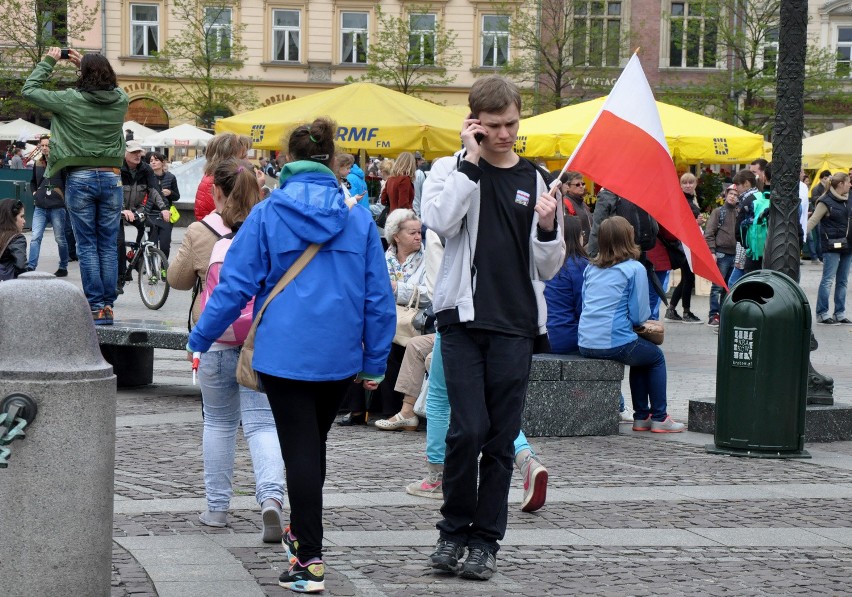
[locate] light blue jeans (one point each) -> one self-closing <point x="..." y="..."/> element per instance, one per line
<point x="835" y="270"/>
<point x="94" y="200"/>
<point x="225" y="403"/>
<point x="438" y="412"/>
<point x="57" y="220"/>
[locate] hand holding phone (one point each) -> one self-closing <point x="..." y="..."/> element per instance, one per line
<point x="478" y="136"/>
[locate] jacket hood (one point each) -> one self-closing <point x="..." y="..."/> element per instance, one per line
<point x="311" y="203"/>
<point x="104" y="98"/>
<point x="356" y="170"/>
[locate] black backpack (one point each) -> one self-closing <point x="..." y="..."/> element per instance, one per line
<point x="645" y="228"/>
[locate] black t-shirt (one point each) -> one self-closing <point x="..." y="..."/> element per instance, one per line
<point x="504" y="300"/>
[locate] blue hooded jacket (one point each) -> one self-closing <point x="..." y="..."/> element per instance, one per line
<point x="358" y="185"/>
<point x="338" y="316"/>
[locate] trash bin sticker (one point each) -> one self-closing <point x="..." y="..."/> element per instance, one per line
<point x="743" y="353"/>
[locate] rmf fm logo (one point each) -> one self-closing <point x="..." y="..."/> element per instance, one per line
<point x="720" y="144"/>
<point x="520" y="144"/>
<point x="257" y="131"/>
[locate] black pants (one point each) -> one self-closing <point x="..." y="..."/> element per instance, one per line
<point x="304" y="412"/>
<point x="161" y="235"/>
<point x="122" y="250"/>
<point x="487" y="375"/>
<point x="684" y="289"/>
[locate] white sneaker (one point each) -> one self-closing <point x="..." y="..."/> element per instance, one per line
<point x="535" y="481"/>
<point x="626" y="416"/>
<point x="667" y="426"/>
<point x="432" y="486"/>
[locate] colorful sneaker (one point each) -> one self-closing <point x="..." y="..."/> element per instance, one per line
<point x="304" y="578"/>
<point x="479" y="565"/>
<point x="714" y="320"/>
<point x="446" y="556"/>
<point x="689" y="317"/>
<point x="290" y="545"/>
<point x="432" y="486"/>
<point x="103" y="316"/>
<point x="535" y="481"/>
<point x="667" y="426"/>
<point x="672" y="315"/>
<point x="642" y="424"/>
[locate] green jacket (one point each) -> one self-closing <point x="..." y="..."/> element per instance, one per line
<point x="86" y="129"/>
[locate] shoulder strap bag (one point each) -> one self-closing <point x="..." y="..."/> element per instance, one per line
<point x="246" y="375"/>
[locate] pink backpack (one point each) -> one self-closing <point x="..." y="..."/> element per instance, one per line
<point x="236" y="333"/>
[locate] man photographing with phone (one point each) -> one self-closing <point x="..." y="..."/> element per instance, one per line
<point x="504" y="237"/>
<point x="87" y="143"/>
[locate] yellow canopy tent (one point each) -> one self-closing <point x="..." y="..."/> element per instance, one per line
<point x="828" y="151"/>
<point x="368" y="116"/>
<point x="692" y="138"/>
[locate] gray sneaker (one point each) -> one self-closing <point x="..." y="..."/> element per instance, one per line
<point x="667" y="426"/>
<point x="642" y="424"/>
<point x="431" y="486"/>
<point x="271" y="517"/>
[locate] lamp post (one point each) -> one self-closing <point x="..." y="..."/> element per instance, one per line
<point x="783" y="250"/>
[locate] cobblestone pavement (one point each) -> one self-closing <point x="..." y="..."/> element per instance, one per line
<point x="631" y="514"/>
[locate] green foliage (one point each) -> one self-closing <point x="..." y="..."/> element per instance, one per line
<point x="708" y="190"/>
<point x="561" y="52"/>
<point x="28" y="29"/>
<point x="200" y="64"/>
<point x="403" y="57"/>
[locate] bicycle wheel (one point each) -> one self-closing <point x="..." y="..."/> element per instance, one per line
<point x="153" y="286"/>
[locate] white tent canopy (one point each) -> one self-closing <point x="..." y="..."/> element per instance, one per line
<point x="183" y="135"/>
<point x="20" y="130"/>
<point x="140" y="132"/>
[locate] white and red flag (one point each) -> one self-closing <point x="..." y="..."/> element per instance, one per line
<point x="625" y="151"/>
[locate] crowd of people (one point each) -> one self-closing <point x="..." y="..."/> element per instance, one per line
<point x="432" y="300"/>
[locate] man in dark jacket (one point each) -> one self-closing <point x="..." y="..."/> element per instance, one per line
<point x="49" y="197"/>
<point x="720" y="235"/>
<point x="140" y="196"/>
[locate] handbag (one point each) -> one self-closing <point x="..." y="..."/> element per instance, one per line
<point x="174" y="214"/>
<point x="420" y="404"/>
<point x="652" y="331"/>
<point x="405" y="316"/>
<point x="246" y="375"/>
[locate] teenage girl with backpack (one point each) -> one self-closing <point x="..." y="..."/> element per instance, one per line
<point x="13" y="243"/>
<point x="615" y="301"/>
<point x="226" y="403"/>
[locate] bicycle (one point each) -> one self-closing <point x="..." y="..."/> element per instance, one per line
<point x="150" y="264"/>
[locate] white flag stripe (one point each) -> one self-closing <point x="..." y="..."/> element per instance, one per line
<point x="631" y="99"/>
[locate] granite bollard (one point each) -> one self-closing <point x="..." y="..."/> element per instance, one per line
<point x="56" y="496"/>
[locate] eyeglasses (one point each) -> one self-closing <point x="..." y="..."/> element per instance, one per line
<point x="577" y="184"/>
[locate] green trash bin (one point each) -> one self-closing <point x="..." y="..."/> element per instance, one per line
<point x="22" y="192"/>
<point x="762" y="368"/>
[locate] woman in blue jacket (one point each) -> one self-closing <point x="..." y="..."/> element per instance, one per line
<point x="332" y="324"/>
<point x="615" y="300"/>
<point x="564" y="292"/>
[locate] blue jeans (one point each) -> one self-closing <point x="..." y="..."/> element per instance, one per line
<point x="725" y="264"/>
<point x="94" y="201"/>
<point x="834" y="265"/>
<point x="57" y="220"/>
<point x="654" y="298"/>
<point x="647" y="375"/>
<point x="736" y="274"/>
<point x="225" y="404"/>
<point x="438" y="412"/>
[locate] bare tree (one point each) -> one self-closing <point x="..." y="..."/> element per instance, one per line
<point x="568" y="50"/>
<point x="412" y="52"/>
<point x="200" y="64"/>
<point x="28" y="28"/>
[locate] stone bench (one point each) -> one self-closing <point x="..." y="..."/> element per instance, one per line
<point x="128" y="345"/>
<point x="569" y="395"/>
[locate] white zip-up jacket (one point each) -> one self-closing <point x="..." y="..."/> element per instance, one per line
<point x="450" y="207"/>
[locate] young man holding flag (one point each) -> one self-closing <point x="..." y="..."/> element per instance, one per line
<point x="504" y="237"/>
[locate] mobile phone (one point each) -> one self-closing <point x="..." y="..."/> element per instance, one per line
<point x="63" y="54"/>
<point x="478" y="136"/>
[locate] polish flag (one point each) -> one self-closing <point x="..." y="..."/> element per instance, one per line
<point x="625" y="151"/>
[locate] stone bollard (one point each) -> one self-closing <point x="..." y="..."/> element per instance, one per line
<point x="57" y="490"/>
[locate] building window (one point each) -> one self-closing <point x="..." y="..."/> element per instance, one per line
<point x="844" y="52"/>
<point x="597" y="33"/>
<point x="353" y="42"/>
<point x="421" y="39"/>
<point x="694" y="35"/>
<point x="285" y="35"/>
<point x="55" y="18"/>
<point x="217" y="25"/>
<point x="144" y="29"/>
<point x="769" y="53"/>
<point x="495" y="40"/>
